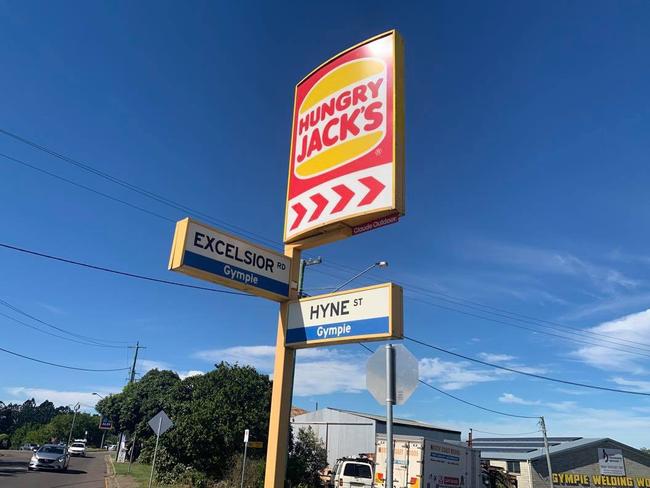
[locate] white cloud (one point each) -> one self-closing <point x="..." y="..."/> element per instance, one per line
<point x="186" y="374"/>
<point x="547" y="261"/>
<point x="637" y="385"/>
<point x="453" y="375"/>
<point x="60" y="398"/>
<point x="514" y="399"/>
<point x="318" y="371"/>
<point x="495" y="358"/>
<point x="634" y="328"/>
<point x="145" y="365"/>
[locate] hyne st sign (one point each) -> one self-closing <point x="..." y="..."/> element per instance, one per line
<point x="346" y="163"/>
<point x="213" y="255"/>
<point x="364" y="314"/>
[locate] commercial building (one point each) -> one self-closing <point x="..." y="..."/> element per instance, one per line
<point x="348" y="434"/>
<point x="575" y="461"/>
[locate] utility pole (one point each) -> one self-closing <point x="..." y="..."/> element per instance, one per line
<point x="542" y="425"/>
<point x="74" y="417"/>
<point x="470" y="438"/>
<point x="301" y="273"/>
<point x="131" y="380"/>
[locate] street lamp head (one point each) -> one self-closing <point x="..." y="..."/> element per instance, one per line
<point x="381" y="264"/>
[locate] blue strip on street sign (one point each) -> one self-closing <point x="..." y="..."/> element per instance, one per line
<point x="339" y="330"/>
<point x="231" y="272"/>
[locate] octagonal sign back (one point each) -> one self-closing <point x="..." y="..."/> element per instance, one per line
<point x="406" y="374"/>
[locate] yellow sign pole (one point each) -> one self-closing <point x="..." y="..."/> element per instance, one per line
<point x="285" y="361"/>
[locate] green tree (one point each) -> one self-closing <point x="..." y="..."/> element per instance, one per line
<point x="307" y="458"/>
<point x="646" y="450"/>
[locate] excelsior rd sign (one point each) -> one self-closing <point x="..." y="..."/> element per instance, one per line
<point x="347" y="154"/>
<point x="364" y="314"/>
<point x="213" y="255"/>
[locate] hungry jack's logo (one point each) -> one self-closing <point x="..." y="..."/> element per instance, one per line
<point x="342" y="117"/>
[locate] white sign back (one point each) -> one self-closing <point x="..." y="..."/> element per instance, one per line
<point x="160" y="423"/>
<point x="406" y="374"/>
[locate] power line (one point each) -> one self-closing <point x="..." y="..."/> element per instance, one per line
<point x="118" y="272"/>
<point x="90" y="340"/>
<point x="135" y="188"/>
<point x="507" y="435"/>
<point x="178" y="206"/>
<point x="53" y="334"/>
<point x="59" y="365"/>
<point x="507" y="315"/>
<point x="460" y="399"/>
<point x="537" y="331"/>
<point x="525" y="373"/>
<point x="97" y="192"/>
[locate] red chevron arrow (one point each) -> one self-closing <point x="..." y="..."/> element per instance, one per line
<point x="374" y="186"/>
<point x="321" y="202"/>
<point x="346" y="195"/>
<point x="300" y="209"/>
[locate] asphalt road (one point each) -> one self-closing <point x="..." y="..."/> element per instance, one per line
<point x="85" y="472"/>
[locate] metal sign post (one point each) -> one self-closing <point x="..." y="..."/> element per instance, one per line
<point x="243" y="464"/>
<point x="390" y="401"/>
<point x="160" y="423"/>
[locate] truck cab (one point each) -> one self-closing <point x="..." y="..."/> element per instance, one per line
<point x="352" y="473"/>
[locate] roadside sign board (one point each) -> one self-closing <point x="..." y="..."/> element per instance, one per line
<point x="105" y="424"/>
<point x="363" y="314"/>
<point x="246" y="434"/>
<point x="406" y="374"/>
<point x="210" y="254"/>
<point x="162" y="421"/>
<point x="346" y="164"/>
<point x="611" y="462"/>
<point x="256" y="444"/>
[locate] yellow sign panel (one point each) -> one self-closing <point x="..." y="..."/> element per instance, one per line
<point x="346" y="164"/>
<point x="256" y="444"/>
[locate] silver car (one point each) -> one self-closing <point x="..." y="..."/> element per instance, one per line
<point x="50" y="456"/>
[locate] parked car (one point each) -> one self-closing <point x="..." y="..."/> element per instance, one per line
<point x="352" y="473"/>
<point x="50" y="456"/>
<point x="77" y="449"/>
<point x="29" y="447"/>
<point x="111" y="447"/>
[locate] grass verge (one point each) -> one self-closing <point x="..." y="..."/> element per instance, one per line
<point x="139" y="473"/>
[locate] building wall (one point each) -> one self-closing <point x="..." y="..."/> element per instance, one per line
<point x="524" y="478"/>
<point x="585" y="461"/>
<point x="343" y="434"/>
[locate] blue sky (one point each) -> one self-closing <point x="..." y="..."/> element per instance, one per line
<point x="526" y="191"/>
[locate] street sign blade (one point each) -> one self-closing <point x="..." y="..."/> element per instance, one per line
<point x="363" y="314"/>
<point x="160" y="423"/>
<point x="255" y="444"/>
<point x="406" y="374"/>
<point x="210" y="254"/>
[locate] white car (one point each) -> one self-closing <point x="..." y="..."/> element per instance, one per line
<point x="352" y="473"/>
<point x="77" y="449"/>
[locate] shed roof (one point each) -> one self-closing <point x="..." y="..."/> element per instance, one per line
<point x="529" y="448"/>
<point x="412" y="423"/>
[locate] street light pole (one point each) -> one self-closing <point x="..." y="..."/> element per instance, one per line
<point x="378" y="264"/>
<point x="301" y="274"/>
<point x="101" y="444"/>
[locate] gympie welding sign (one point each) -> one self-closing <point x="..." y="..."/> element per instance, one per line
<point x="346" y="162"/>
<point x="213" y="255"/>
<point x="363" y="314"/>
